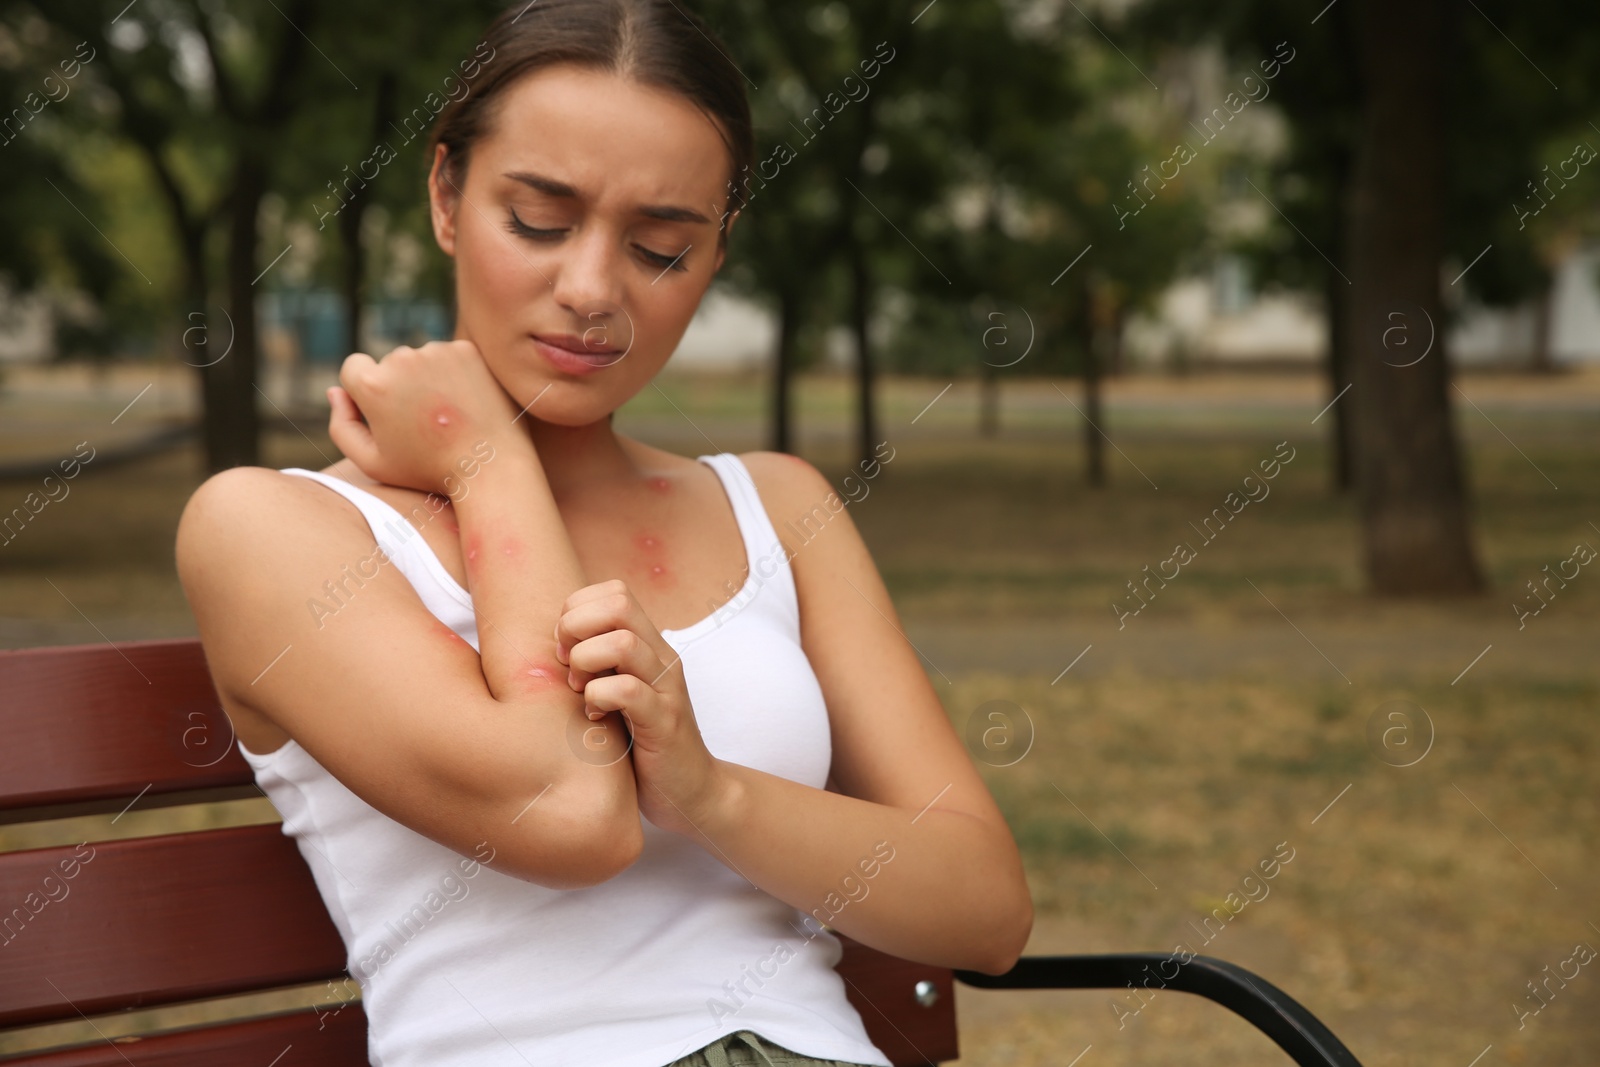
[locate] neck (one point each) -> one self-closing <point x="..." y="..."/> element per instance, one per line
<point x="575" y="457"/>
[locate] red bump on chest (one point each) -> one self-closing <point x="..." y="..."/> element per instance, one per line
<point x="650" y="548"/>
<point x="660" y="484"/>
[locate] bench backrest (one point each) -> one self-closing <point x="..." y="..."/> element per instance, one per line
<point x="108" y="926"/>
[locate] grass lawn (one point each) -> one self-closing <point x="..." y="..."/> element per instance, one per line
<point x="1165" y="758"/>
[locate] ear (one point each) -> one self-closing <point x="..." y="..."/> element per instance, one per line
<point x="442" y="200"/>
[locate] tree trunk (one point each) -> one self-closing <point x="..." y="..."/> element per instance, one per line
<point x="352" y="276"/>
<point x="241" y="443"/>
<point x="206" y="346"/>
<point x="988" y="401"/>
<point x="1408" y="472"/>
<point x="788" y="330"/>
<point x="1544" y="313"/>
<point x="860" y="312"/>
<point x="350" y="219"/>
<point x="1094" y="455"/>
<point x="1337" y="292"/>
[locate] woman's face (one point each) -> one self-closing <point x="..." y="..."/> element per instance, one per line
<point x="597" y="161"/>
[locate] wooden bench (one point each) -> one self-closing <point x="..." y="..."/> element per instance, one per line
<point x="164" y="920"/>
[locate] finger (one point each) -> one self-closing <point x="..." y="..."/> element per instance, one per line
<point x="598" y="609"/>
<point x="625" y="693"/>
<point x="566" y="638"/>
<point x="350" y="435"/>
<point x="596" y="591"/>
<point x="621" y="651"/>
<point x="355" y="373"/>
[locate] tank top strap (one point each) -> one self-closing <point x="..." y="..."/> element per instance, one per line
<point x="767" y="559"/>
<point x="401" y="541"/>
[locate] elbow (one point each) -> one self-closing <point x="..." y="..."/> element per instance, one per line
<point x="610" y="835"/>
<point x="584" y="858"/>
<point x="611" y="851"/>
<point x="1004" y="947"/>
<point x="577" y="851"/>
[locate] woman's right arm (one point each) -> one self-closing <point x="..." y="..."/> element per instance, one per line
<point x="397" y="707"/>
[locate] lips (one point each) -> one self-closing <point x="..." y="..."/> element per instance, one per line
<point x="575" y="345"/>
<point x="576" y="359"/>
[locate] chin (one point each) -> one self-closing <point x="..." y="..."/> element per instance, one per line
<point x="582" y="413"/>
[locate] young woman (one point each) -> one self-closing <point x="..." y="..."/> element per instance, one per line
<point x="581" y="753"/>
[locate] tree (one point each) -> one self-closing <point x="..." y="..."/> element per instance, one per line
<point x="1491" y="110"/>
<point x="209" y="137"/>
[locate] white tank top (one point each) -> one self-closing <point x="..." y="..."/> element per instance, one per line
<point x="462" y="966"/>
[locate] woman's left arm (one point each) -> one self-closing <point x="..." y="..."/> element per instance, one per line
<point x="952" y="891"/>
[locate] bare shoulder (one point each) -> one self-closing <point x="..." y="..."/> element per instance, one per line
<point x="804" y="507"/>
<point x="796" y="483"/>
<point x="225" y="506"/>
<point x="249" y="541"/>
<point x="786" y="482"/>
<point x="235" y="508"/>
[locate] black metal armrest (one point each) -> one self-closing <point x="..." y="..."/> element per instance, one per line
<point x="1266" y="1007"/>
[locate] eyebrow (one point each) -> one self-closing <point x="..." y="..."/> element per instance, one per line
<point x="551" y="187"/>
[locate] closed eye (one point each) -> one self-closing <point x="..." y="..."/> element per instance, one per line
<point x="522" y="229"/>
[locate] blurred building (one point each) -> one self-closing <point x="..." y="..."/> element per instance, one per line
<point x="27" y="331"/>
<point x="1223" y="320"/>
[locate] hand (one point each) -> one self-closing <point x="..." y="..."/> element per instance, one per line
<point x="620" y="662"/>
<point x="428" y="412"/>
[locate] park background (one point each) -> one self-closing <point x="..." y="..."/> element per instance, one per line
<point x="1380" y="254"/>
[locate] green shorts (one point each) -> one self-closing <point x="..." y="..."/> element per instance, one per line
<point x="745" y="1048"/>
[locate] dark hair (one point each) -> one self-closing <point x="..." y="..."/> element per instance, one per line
<point x="658" y="43"/>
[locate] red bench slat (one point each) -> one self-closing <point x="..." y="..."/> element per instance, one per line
<point x="87" y="728"/>
<point x="156" y="920"/>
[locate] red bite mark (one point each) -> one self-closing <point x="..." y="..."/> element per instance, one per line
<point x="511" y="547"/>
<point x="660" y="484"/>
<point x="651" y="546"/>
<point x="448" y="634"/>
<point x="442" y="416"/>
<point x="474" y="542"/>
<point x="540" y="675"/>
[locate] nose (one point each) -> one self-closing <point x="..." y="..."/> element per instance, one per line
<point x="588" y="272"/>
